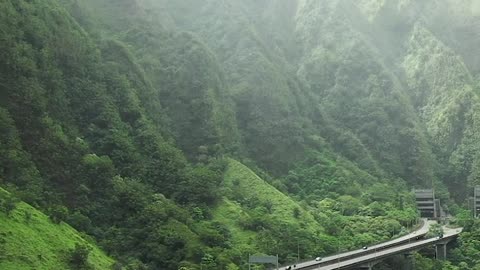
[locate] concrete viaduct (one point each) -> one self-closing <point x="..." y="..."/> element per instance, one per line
<point x="429" y="207"/>
<point x="366" y="259"/>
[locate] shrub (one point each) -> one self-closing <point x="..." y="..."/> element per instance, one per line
<point x="79" y="256"/>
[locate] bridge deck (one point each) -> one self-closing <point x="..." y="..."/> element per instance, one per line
<point x="401" y="244"/>
<point x="387" y="253"/>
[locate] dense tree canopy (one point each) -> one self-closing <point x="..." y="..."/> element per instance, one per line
<point x="189" y="134"/>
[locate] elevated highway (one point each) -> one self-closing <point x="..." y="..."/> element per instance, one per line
<point x="373" y="254"/>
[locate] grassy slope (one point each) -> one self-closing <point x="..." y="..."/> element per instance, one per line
<point x="227" y="213"/>
<point x="39" y="243"/>
<point x="246" y="184"/>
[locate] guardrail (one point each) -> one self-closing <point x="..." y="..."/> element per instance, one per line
<point x="376" y="255"/>
<point x="335" y="258"/>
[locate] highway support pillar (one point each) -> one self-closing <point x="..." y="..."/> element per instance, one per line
<point x="441" y="251"/>
<point x="409" y="261"/>
<point x="368" y="266"/>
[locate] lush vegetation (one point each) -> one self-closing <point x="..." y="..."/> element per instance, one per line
<point x="32" y="240"/>
<point x="189" y="134"/>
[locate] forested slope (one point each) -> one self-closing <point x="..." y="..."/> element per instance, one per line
<point x="193" y="133"/>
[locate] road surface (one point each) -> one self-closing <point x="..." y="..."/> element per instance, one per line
<point x="359" y="252"/>
<point x="408" y="247"/>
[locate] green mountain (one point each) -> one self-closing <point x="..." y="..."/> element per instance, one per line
<point x="189" y="134"/>
<point x="31" y="240"/>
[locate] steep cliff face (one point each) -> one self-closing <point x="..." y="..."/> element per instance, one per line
<point x="345" y="67"/>
<point x="388" y="84"/>
<point x="447" y="102"/>
<point x="126" y="112"/>
<point x="418" y="53"/>
<point x="440" y="78"/>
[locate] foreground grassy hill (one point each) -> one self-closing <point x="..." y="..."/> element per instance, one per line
<point x="30" y="240"/>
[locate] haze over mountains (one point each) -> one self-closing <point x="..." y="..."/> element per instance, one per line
<point x="187" y="134"/>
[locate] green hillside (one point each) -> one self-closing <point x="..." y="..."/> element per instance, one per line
<point x="256" y="214"/>
<point x="31" y="240"/>
<point x="241" y="183"/>
<point x="251" y="203"/>
<point x="189" y="134"/>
